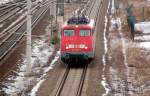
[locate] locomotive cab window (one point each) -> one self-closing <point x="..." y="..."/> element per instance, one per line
<point x="84" y="33"/>
<point x="69" y="33"/>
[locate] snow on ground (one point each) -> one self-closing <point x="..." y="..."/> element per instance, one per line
<point x="104" y="82"/>
<point x="117" y="82"/>
<point x="142" y="32"/>
<point x="143" y="27"/>
<point x="41" y="52"/>
<point x="4" y="1"/>
<point x="19" y="83"/>
<point x="35" y="88"/>
<point x="142" y="38"/>
<point x="118" y="85"/>
<point x="145" y="44"/>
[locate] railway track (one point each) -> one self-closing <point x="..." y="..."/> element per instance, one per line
<point x="79" y="82"/>
<point x="12" y="16"/>
<point x="5" y="9"/>
<point x="74" y="78"/>
<point x="10" y="13"/>
<point x="6" y="47"/>
<point x="16" y="8"/>
<point x="19" y="27"/>
<point x="91" y="9"/>
<point x="16" y="20"/>
<point x="5" y="6"/>
<point x="72" y="81"/>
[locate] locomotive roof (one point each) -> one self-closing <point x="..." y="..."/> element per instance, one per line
<point x="80" y="21"/>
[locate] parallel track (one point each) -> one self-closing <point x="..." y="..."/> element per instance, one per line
<point x="6" y="47"/>
<point x="5" y="9"/>
<point x="19" y="29"/>
<point x="6" y="32"/>
<point x="10" y="15"/>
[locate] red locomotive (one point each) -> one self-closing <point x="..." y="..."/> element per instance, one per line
<point x="78" y="39"/>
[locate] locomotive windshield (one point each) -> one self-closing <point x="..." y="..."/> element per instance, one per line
<point x="84" y="33"/>
<point x="69" y="33"/>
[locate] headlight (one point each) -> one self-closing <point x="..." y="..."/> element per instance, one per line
<point x="67" y="47"/>
<point x="85" y="47"/>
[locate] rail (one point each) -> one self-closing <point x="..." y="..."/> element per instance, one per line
<point x="6" y="47"/>
<point x="60" y="88"/>
<point x="64" y="81"/>
<point x="14" y="24"/>
<point x="79" y="92"/>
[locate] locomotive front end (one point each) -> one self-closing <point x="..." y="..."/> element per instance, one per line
<point x="77" y="42"/>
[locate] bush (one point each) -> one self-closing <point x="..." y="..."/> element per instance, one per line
<point x="55" y="40"/>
